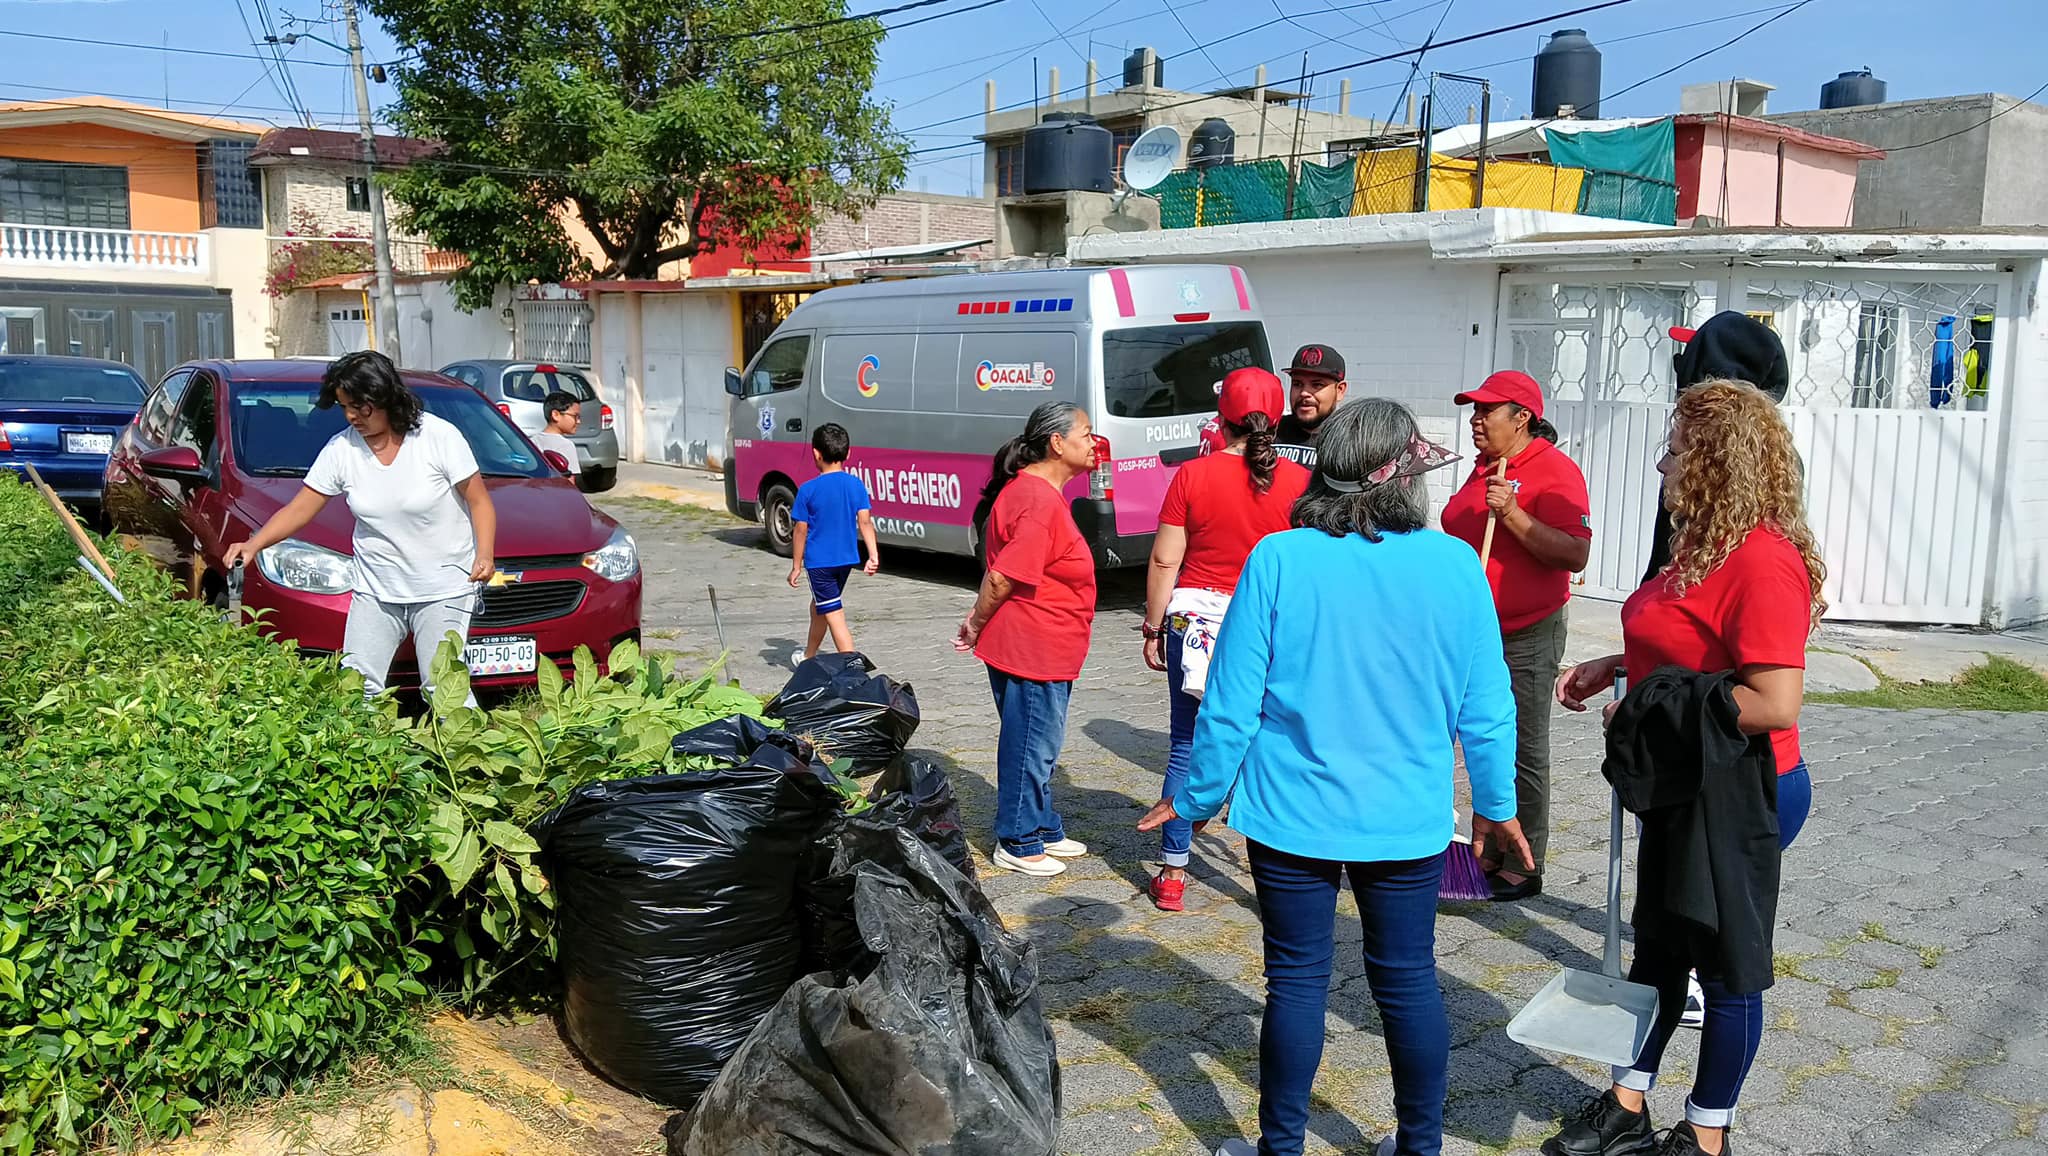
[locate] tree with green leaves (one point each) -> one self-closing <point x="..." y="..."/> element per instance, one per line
<point x="662" y="127"/>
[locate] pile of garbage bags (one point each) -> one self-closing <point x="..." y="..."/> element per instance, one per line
<point x="803" y="975"/>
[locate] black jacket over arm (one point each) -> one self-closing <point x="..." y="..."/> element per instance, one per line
<point x="1707" y="880"/>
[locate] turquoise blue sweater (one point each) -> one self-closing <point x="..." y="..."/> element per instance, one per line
<point x="1344" y="671"/>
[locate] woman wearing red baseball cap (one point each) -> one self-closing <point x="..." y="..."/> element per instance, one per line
<point x="1542" y="532"/>
<point x="1216" y="509"/>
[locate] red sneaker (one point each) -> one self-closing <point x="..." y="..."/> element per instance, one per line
<point x="1167" y="893"/>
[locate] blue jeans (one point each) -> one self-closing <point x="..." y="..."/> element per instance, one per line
<point x="1177" y="836"/>
<point x="1397" y="905"/>
<point x="1034" y="727"/>
<point x="1734" y="1025"/>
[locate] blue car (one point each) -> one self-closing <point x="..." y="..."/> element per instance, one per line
<point x="61" y="415"/>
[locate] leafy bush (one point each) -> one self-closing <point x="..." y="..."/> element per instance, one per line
<point x="498" y="771"/>
<point x="202" y="850"/>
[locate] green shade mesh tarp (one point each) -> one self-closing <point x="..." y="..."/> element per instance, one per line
<point x="1324" y="190"/>
<point x="1631" y="173"/>
<point x="1226" y="195"/>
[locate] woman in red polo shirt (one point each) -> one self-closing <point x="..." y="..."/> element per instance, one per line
<point x="1741" y="593"/>
<point x="1031" y="625"/>
<point x="1216" y="509"/>
<point x="1542" y="531"/>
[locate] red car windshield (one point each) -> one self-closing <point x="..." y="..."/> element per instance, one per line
<point x="278" y="429"/>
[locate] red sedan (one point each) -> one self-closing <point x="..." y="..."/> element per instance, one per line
<point x="219" y="446"/>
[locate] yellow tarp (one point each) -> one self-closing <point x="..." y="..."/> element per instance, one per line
<point x="1386" y="184"/>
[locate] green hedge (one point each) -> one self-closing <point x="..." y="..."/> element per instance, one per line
<point x="220" y="873"/>
<point x="202" y="852"/>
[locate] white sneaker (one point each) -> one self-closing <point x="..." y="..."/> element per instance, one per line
<point x="1043" y="868"/>
<point x="1066" y="849"/>
<point x="1695" y="1003"/>
<point x="1238" y="1148"/>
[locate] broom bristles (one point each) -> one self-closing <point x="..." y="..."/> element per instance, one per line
<point x="1464" y="875"/>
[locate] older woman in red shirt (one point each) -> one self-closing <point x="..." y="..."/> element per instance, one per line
<point x="1542" y="532"/>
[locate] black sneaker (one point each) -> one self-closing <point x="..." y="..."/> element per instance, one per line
<point x="1604" y="1128"/>
<point x="1683" y="1141"/>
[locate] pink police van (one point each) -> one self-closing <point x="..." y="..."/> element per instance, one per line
<point x="929" y="376"/>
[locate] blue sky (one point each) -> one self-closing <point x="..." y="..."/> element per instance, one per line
<point x="933" y="71"/>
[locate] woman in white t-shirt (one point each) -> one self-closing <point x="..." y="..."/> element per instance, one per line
<point x="425" y="526"/>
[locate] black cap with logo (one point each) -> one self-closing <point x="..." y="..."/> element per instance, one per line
<point x="1318" y="359"/>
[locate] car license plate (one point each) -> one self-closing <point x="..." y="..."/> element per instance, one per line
<point x="487" y="656"/>
<point x="88" y="443"/>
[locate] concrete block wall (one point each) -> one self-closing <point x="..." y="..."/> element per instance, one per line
<point x="910" y="219"/>
<point x="322" y="190"/>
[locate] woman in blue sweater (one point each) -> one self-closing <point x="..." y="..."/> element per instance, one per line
<point x="1332" y="741"/>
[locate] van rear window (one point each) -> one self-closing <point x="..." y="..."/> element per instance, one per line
<point x="1169" y="370"/>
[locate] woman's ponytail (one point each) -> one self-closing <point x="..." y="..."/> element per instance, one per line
<point x="1259" y="455"/>
<point x="1542" y="429"/>
<point x="1032" y="446"/>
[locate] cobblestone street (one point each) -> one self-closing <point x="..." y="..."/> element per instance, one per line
<point x="1909" y="1015"/>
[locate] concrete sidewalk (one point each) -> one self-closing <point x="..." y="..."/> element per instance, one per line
<point x="1840" y="658"/>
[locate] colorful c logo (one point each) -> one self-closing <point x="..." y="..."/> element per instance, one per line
<point x="868" y="364"/>
<point x="984" y="376"/>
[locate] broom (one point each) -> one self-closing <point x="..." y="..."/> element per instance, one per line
<point x="1464" y="875"/>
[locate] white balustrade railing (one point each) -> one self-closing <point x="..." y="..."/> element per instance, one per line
<point x="66" y="247"/>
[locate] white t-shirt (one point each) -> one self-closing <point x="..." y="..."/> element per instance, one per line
<point x="548" y="439"/>
<point x="413" y="539"/>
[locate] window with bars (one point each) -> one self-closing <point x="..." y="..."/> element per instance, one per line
<point x="1877" y="348"/>
<point x="228" y="195"/>
<point x="62" y="193"/>
<point x="358" y="194"/>
<point x="1009" y="169"/>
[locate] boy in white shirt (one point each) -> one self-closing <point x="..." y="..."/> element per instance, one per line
<point x="564" y="414"/>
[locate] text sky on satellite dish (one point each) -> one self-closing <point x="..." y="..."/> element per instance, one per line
<point x="1151" y="157"/>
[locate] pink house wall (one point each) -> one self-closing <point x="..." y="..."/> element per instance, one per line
<point x="1819" y="186"/>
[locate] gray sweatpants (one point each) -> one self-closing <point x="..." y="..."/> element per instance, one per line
<point x="376" y="629"/>
<point x="1534" y="654"/>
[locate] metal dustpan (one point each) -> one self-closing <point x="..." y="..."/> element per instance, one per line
<point x="1597" y="1015"/>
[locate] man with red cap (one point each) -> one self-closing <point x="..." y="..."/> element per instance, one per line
<point x="1542" y="532"/>
<point x="1216" y="509"/>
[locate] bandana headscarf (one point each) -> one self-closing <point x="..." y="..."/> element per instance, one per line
<point x="1419" y="457"/>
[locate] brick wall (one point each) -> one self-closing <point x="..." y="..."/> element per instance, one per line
<point x="910" y="219"/>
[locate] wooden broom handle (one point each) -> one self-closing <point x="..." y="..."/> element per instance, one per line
<point x="70" y="523"/>
<point x="1486" y="543"/>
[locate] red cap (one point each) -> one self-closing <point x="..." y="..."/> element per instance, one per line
<point x="1682" y="335"/>
<point x="1248" y="391"/>
<point x="1507" y="385"/>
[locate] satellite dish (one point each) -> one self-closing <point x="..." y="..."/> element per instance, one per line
<point x="1152" y="157"/>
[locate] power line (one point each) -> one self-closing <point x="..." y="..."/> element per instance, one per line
<point x="1970" y="129"/>
<point x="86" y="40"/>
<point x="1729" y="43"/>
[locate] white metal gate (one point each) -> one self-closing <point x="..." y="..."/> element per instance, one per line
<point x="1896" y="403"/>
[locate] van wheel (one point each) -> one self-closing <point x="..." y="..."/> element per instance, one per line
<point x="776" y="502"/>
<point x="596" y="480"/>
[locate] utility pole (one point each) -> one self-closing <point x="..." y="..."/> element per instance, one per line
<point x="380" y="233"/>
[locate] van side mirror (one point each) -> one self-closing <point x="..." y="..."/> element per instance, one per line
<point x="733" y="384"/>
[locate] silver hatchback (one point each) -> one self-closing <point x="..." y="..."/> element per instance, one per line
<point x="518" y="388"/>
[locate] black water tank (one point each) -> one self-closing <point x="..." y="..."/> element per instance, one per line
<point x="1567" y="76"/>
<point x="1852" y="89"/>
<point x="1066" y="151"/>
<point x="1214" y="143"/>
<point x="1134" y="69"/>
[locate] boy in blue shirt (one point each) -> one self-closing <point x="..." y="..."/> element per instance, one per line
<point x="829" y="509"/>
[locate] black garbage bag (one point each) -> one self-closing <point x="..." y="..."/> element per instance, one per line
<point x="912" y="795"/>
<point x="940" y="1047"/>
<point x="838" y="702"/>
<point x="675" y="908"/>
<point x="915" y="794"/>
<point x="741" y="741"/>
